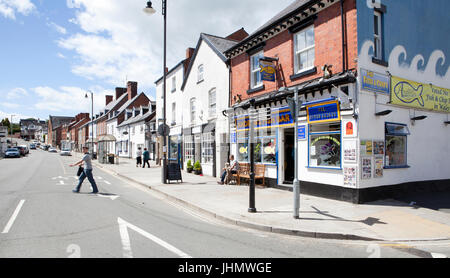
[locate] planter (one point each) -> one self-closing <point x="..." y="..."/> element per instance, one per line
<point x="197" y="172"/>
<point x="189" y="170"/>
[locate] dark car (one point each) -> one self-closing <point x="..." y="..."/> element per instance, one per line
<point x="12" y="152"/>
<point x="32" y="146"/>
<point x="22" y="150"/>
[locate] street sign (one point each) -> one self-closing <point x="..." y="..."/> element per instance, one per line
<point x="163" y="130"/>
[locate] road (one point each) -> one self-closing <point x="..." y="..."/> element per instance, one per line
<point x="40" y="217"/>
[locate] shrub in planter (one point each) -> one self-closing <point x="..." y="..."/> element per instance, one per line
<point x="189" y="166"/>
<point x="197" y="168"/>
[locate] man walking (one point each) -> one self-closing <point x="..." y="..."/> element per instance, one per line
<point x="146" y="158"/>
<point x="87" y="172"/>
<point x="139" y="157"/>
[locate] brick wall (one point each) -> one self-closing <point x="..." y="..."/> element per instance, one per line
<point x="328" y="50"/>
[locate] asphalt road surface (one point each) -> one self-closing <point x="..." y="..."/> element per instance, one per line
<point x="40" y="217"/>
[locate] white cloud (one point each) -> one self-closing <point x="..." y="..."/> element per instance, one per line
<point x="10" y="105"/>
<point x="120" y="40"/>
<point x="57" y="28"/>
<point x="60" y="55"/>
<point x="9" y="8"/>
<point x="16" y="116"/>
<point x="16" y="93"/>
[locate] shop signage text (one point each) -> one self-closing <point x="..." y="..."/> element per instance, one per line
<point x="375" y="82"/>
<point x="324" y="112"/>
<point x="278" y="118"/>
<point x="301" y="132"/>
<point x="418" y="95"/>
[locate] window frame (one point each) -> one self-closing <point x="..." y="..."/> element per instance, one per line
<point x="378" y="38"/>
<point x="298" y="52"/>
<point x="394" y="134"/>
<point x="257" y="70"/>
<point x="312" y="133"/>
<point x="193" y="112"/>
<point x="174" y="112"/>
<point x="210" y="104"/>
<point x="200" y="73"/>
<point x="174" y="83"/>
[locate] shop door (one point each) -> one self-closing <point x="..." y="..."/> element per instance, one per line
<point x="198" y="148"/>
<point x="289" y="154"/>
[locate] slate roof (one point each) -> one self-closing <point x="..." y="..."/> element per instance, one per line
<point x="141" y="117"/>
<point x="58" y="121"/>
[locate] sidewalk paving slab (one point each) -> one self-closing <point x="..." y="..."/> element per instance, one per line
<point x="386" y="220"/>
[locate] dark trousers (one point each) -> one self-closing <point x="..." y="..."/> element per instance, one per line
<point x="146" y="161"/>
<point x="87" y="174"/>
<point x="138" y="161"/>
<point x="224" y="175"/>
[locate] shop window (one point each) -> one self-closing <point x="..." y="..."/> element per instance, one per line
<point x="173" y="147"/>
<point x="396" y="145"/>
<point x="189" y="148"/>
<point x="265" y="148"/>
<point x="325" y="146"/>
<point x="208" y="148"/>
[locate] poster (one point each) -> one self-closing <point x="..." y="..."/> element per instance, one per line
<point x="350" y="151"/>
<point x="378" y="147"/>
<point x="366" y="169"/>
<point x="350" y="176"/>
<point x="349" y="128"/>
<point x="366" y="147"/>
<point x="378" y="167"/>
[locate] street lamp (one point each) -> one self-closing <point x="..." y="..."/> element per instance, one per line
<point x="92" y="120"/>
<point x="11" y="128"/>
<point x="150" y="10"/>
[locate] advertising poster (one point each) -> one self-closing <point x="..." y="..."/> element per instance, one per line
<point x="350" y="176"/>
<point x="378" y="147"/>
<point x="378" y="167"/>
<point x="366" y="147"/>
<point x="350" y="151"/>
<point x="366" y="169"/>
<point x="349" y="128"/>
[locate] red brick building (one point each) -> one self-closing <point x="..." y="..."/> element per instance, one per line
<point x="311" y="46"/>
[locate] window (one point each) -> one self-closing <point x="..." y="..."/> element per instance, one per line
<point x="189" y="148"/>
<point x="174" y="84"/>
<point x="377" y="36"/>
<point x="173" y="147"/>
<point x="200" y="73"/>
<point x="255" y="75"/>
<point x="304" y="48"/>
<point x="325" y="145"/>
<point x="174" y="113"/>
<point x="265" y="147"/>
<point x="396" y="145"/>
<point x="208" y="147"/>
<point x="212" y="103"/>
<point x="192" y="109"/>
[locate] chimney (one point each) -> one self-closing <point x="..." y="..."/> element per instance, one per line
<point x="120" y="92"/>
<point x="108" y="99"/>
<point x="189" y="53"/>
<point x="132" y="89"/>
<point x="239" y="35"/>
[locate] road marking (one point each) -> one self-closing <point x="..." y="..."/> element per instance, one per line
<point x="13" y="217"/>
<point x="438" y="256"/>
<point x="61" y="182"/>
<point x="113" y="197"/>
<point x="107" y="182"/>
<point x="126" y="244"/>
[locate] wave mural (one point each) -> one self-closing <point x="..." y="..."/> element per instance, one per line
<point x="399" y="66"/>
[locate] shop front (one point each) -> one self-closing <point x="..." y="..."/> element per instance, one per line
<point x="176" y="146"/>
<point x="200" y="145"/>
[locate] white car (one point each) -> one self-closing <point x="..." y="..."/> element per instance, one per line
<point x="52" y="150"/>
<point x="65" y="153"/>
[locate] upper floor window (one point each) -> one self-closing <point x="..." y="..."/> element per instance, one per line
<point x="174" y="112"/>
<point x="255" y="75"/>
<point x="200" y="73"/>
<point x="212" y="102"/>
<point x="174" y="84"/>
<point x="193" y="109"/>
<point x="377" y="32"/>
<point x="304" y="48"/>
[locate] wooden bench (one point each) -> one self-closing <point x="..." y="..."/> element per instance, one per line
<point x="244" y="173"/>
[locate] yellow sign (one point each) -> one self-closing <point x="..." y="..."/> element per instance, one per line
<point x="417" y="95"/>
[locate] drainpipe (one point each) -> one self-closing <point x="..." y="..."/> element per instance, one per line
<point x="344" y="56"/>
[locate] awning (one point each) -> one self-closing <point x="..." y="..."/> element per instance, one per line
<point x="107" y="138"/>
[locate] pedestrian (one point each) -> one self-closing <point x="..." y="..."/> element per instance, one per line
<point x="232" y="169"/>
<point x="87" y="172"/>
<point x="139" y="157"/>
<point x="146" y="158"/>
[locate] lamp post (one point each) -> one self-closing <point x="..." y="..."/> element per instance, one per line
<point x="150" y="10"/>
<point x="11" y="128"/>
<point x="92" y="121"/>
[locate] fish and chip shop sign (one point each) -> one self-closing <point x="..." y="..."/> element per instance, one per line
<point x="324" y="112"/>
<point x="375" y="82"/>
<point x="418" y="95"/>
<point x="268" y="70"/>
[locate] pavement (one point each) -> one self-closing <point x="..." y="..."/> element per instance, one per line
<point x="386" y="220"/>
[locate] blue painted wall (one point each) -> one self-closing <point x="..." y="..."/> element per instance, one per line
<point x="420" y="26"/>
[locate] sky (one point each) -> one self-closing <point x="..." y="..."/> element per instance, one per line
<point x="53" y="52"/>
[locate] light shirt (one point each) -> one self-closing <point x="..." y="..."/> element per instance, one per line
<point x="139" y="153"/>
<point x="87" y="161"/>
<point x="234" y="165"/>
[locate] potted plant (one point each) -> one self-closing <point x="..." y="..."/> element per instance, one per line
<point x="189" y="166"/>
<point x="197" y="168"/>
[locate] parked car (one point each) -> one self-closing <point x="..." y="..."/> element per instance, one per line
<point x="52" y="150"/>
<point x="22" y="150"/>
<point x="65" y="152"/>
<point x="32" y="146"/>
<point x="27" y="150"/>
<point x="12" y="152"/>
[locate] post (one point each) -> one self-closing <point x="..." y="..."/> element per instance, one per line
<point x="164" y="164"/>
<point x="252" y="208"/>
<point x="296" y="184"/>
<point x="92" y="125"/>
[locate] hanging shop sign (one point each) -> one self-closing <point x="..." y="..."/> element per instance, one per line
<point x="375" y="82"/>
<point x="268" y="70"/>
<point x="418" y="95"/>
<point x="323" y="112"/>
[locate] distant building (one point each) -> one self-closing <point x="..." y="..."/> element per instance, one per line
<point x="55" y="129"/>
